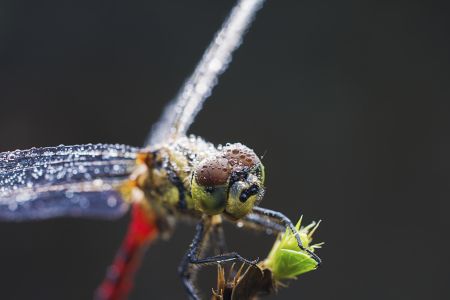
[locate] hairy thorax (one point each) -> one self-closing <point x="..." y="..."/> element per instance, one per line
<point x="162" y="177"/>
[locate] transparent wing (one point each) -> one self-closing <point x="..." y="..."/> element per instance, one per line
<point x="181" y="112"/>
<point x="80" y="180"/>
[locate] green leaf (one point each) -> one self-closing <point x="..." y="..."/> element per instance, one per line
<point x="291" y="263"/>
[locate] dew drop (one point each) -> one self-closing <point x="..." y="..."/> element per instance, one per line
<point x="12" y="206"/>
<point x="84" y="203"/>
<point x="112" y="201"/>
<point x="269" y="231"/>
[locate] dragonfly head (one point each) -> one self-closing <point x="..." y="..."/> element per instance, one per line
<point x="231" y="182"/>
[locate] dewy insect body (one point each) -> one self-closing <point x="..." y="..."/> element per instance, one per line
<point x="193" y="177"/>
<point x="175" y="177"/>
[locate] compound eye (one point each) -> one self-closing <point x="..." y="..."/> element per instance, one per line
<point x="259" y="172"/>
<point x="240" y="156"/>
<point x="209" y="185"/>
<point x="214" y="172"/>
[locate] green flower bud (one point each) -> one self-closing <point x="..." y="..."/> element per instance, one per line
<point x="286" y="260"/>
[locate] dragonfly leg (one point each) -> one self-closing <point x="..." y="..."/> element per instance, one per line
<point x="287" y="223"/>
<point x="191" y="258"/>
<point x="218" y="238"/>
<point x="264" y="223"/>
<point x="185" y="271"/>
<point x="227" y="257"/>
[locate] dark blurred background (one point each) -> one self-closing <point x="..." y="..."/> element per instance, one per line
<point x="348" y="99"/>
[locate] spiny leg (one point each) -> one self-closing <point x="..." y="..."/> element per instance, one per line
<point x="287" y="223"/>
<point x="191" y="258"/>
<point x="264" y="223"/>
<point x="227" y="257"/>
<point x="184" y="270"/>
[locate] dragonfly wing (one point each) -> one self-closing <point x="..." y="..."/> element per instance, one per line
<point x="181" y="112"/>
<point x="73" y="181"/>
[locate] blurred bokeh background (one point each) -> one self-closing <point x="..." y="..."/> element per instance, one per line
<point x="349" y="101"/>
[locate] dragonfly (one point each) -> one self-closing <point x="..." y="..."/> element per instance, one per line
<point x="173" y="178"/>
